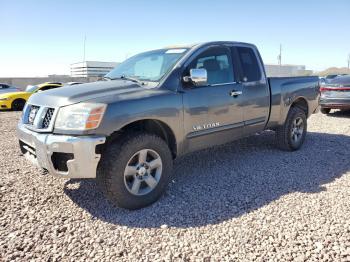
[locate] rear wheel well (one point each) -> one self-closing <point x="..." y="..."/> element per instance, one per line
<point x="302" y="104"/>
<point x="150" y="126"/>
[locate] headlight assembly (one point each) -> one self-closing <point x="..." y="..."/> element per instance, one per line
<point x="82" y="116"/>
<point x="4" y="99"/>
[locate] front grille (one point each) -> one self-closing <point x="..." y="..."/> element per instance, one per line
<point x="33" y="111"/>
<point x="38" y="117"/>
<point x="47" y="118"/>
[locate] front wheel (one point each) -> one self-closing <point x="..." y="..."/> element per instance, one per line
<point x="18" y="104"/>
<point x="135" y="171"/>
<point x="291" y="135"/>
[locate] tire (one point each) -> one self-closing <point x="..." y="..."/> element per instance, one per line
<point x="18" y="104"/>
<point x="289" y="137"/>
<point x="325" y="110"/>
<point x="123" y="155"/>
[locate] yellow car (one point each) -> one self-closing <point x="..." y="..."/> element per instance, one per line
<point x="17" y="100"/>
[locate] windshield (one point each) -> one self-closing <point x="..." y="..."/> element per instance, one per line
<point x="31" y="89"/>
<point x="148" y="66"/>
<point x="341" y="80"/>
<point x="331" y="76"/>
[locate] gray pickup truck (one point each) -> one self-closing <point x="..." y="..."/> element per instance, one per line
<point x="125" y="131"/>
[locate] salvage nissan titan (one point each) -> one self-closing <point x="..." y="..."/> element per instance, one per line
<point x="125" y="131"/>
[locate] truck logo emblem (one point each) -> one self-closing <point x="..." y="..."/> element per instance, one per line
<point x="205" y="126"/>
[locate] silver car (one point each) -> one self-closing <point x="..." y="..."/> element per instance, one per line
<point x="5" y="88"/>
<point x="335" y="94"/>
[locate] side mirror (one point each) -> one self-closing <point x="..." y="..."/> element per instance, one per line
<point x="198" y="77"/>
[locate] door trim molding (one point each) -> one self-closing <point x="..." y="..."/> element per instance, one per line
<point x="214" y="130"/>
<point x="255" y="121"/>
<point x="250" y="122"/>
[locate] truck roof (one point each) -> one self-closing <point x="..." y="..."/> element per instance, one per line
<point x="208" y="43"/>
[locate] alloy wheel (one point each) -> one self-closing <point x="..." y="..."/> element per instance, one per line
<point x="297" y="129"/>
<point x="143" y="172"/>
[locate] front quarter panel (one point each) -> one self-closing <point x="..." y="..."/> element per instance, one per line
<point x="165" y="107"/>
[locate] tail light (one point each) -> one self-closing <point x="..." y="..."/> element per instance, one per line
<point x="331" y="88"/>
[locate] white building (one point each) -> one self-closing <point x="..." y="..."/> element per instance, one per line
<point x="91" y="68"/>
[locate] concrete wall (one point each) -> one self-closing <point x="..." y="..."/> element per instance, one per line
<point x="23" y="82"/>
<point x="286" y="70"/>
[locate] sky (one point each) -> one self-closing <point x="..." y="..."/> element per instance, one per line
<point x="40" y="37"/>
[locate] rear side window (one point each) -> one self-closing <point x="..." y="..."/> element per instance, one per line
<point x="250" y="64"/>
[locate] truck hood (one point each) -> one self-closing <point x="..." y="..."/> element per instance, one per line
<point x="102" y="92"/>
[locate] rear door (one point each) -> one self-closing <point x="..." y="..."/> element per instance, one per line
<point x="256" y="93"/>
<point x="211" y="114"/>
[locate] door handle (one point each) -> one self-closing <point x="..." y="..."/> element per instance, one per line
<point x="235" y="93"/>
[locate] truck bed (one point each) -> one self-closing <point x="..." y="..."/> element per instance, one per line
<point x="286" y="89"/>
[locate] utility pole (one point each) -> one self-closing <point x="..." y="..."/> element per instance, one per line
<point x="279" y="57"/>
<point x="84" y="47"/>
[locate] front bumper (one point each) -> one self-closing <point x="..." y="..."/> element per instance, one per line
<point x="43" y="149"/>
<point x="5" y="104"/>
<point x="335" y="103"/>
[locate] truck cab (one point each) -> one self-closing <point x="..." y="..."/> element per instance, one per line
<point x="233" y="103"/>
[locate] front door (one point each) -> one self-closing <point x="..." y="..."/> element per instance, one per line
<point x="212" y="114"/>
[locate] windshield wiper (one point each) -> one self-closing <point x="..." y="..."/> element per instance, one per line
<point x="135" y="80"/>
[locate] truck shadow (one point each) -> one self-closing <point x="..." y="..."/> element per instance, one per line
<point x="340" y="114"/>
<point x="225" y="182"/>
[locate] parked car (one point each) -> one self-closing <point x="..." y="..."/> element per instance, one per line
<point x="329" y="78"/>
<point x="5" y="88"/>
<point x="335" y="94"/>
<point x="17" y="100"/>
<point x="157" y="106"/>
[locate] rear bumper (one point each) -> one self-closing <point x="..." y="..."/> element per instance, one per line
<point x="335" y="103"/>
<point x="63" y="156"/>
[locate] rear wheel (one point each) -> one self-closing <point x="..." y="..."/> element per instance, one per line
<point x="18" y="104"/>
<point x="325" y="110"/>
<point x="292" y="134"/>
<point x="135" y="171"/>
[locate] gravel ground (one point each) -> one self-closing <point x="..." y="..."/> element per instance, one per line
<point x="243" y="201"/>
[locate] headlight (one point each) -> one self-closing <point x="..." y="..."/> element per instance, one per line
<point x="4" y="99"/>
<point x="80" y="116"/>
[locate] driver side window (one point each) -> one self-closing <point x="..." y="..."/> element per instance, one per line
<point x="217" y="62"/>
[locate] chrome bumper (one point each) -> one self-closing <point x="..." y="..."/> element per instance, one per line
<point x="39" y="148"/>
